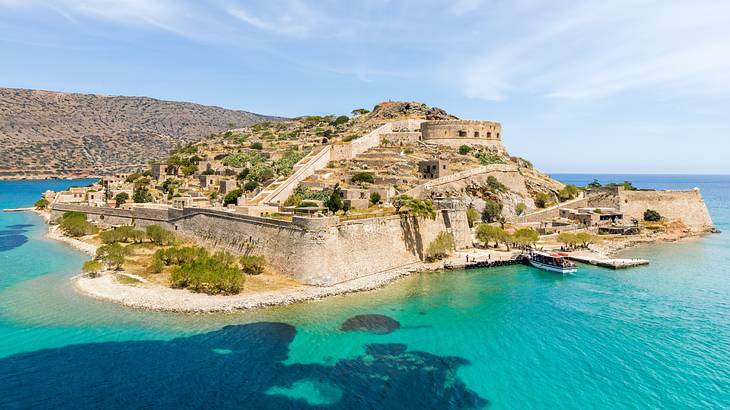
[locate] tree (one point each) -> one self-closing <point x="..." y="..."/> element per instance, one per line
<point x="41" y="203"/>
<point x="360" y="111"/>
<point x="363" y="177"/>
<point x="334" y="203"/>
<point x="121" y="198"/>
<point x="585" y="238"/>
<point x="568" y="239"/>
<point x="212" y="274"/>
<point x="472" y="215"/>
<point x="75" y="224"/>
<point x="141" y="195"/>
<point x="442" y="246"/>
<point x="651" y="215"/>
<point x="422" y="208"/>
<point x="91" y="268"/>
<point x="542" y="200"/>
<point x="250" y="186"/>
<point x="374" y="198"/>
<point x="159" y="235"/>
<point x="525" y="237"/>
<point x="492" y="210"/>
<point x="113" y="255"/>
<point x="568" y="192"/>
<point x="464" y="149"/>
<point x="261" y="172"/>
<point x="257" y="146"/>
<point x="594" y="185"/>
<point x="342" y="119"/>
<point x="232" y="197"/>
<point x="487" y="233"/>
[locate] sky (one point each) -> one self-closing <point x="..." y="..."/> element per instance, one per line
<point x="579" y="86"/>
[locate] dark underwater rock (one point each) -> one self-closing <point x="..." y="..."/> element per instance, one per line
<point x="371" y="323"/>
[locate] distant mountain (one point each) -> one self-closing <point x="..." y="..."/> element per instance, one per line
<point x="45" y="133"/>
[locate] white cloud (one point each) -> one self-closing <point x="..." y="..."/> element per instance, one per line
<point x="595" y="50"/>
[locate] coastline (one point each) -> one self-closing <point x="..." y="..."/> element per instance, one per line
<point x="154" y="297"/>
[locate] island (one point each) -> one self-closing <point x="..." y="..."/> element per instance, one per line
<point x="288" y="210"/>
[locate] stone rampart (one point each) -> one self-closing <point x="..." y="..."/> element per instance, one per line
<point x="317" y="254"/>
<point x="687" y="206"/>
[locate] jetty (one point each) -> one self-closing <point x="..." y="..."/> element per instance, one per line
<point x="18" y="209"/>
<point x="611" y="263"/>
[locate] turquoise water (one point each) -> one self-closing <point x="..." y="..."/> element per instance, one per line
<point x="512" y="337"/>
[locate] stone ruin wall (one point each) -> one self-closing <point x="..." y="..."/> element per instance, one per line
<point x="447" y="132"/>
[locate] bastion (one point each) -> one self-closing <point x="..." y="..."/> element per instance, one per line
<point x="455" y="133"/>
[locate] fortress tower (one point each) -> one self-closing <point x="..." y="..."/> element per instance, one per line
<point x="455" y="133"/>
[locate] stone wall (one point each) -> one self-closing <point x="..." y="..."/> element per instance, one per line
<point x="320" y="254"/>
<point x="687" y="206"/>
<point x="316" y="162"/>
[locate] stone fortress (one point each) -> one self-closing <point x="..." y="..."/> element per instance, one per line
<point x="455" y="133"/>
<point x="324" y="250"/>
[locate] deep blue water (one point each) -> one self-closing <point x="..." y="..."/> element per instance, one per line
<point x="513" y="337"/>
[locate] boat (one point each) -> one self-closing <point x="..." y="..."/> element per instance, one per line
<point x="551" y="261"/>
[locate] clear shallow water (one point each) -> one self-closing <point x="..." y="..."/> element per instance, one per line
<point x="513" y="337"/>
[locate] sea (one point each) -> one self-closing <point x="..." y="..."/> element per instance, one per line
<point x="653" y="337"/>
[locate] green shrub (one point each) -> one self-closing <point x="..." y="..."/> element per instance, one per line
<point x="494" y="185"/>
<point x="342" y="119"/>
<point x="488" y="158"/>
<point x="651" y="215"/>
<point x="472" y="215"/>
<point x="285" y="164"/>
<point x="232" y="197"/>
<point x="492" y="210"/>
<point x="520" y="208"/>
<point x="250" y="186"/>
<point x="75" y="224"/>
<point x="375" y="198"/>
<point x="542" y="200"/>
<point x="113" y="255"/>
<point x="252" y="265"/>
<point x="141" y="195"/>
<point x="363" y="177"/>
<point x="568" y="192"/>
<point x="594" y="185"/>
<point x="442" y="246"/>
<point x="124" y="233"/>
<point x="91" y="267"/>
<point x="242" y="159"/>
<point x="257" y="145"/>
<point x="261" y="172"/>
<point x="422" y="208"/>
<point x="41" y="203"/>
<point x="211" y="274"/>
<point x="465" y="149"/>
<point x="160" y="236"/>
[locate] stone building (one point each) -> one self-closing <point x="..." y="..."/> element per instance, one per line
<point x="227" y="185"/>
<point x="455" y="133"/>
<point x="433" y="168"/>
<point x="159" y="171"/>
<point x="208" y="181"/>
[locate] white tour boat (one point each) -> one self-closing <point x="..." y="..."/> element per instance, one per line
<point x="552" y="261"/>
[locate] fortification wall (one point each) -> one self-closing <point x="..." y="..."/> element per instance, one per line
<point x="458" y="132"/>
<point x="316" y="162"/>
<point x="332" y="254"/>
<point x="400" y="138"/>
<point x="687" y="206"/>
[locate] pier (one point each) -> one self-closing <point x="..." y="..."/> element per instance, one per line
<point x="608" y="262"/>
<point x="18" y="209"/>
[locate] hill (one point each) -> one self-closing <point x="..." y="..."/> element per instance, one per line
<point x="45" y="133"/>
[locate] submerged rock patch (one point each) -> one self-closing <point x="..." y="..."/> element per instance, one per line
<point x="371" y="323"/>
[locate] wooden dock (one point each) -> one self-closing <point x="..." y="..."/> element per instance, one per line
<point x="516" y="260"/>
<point x="608" y="262"/>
